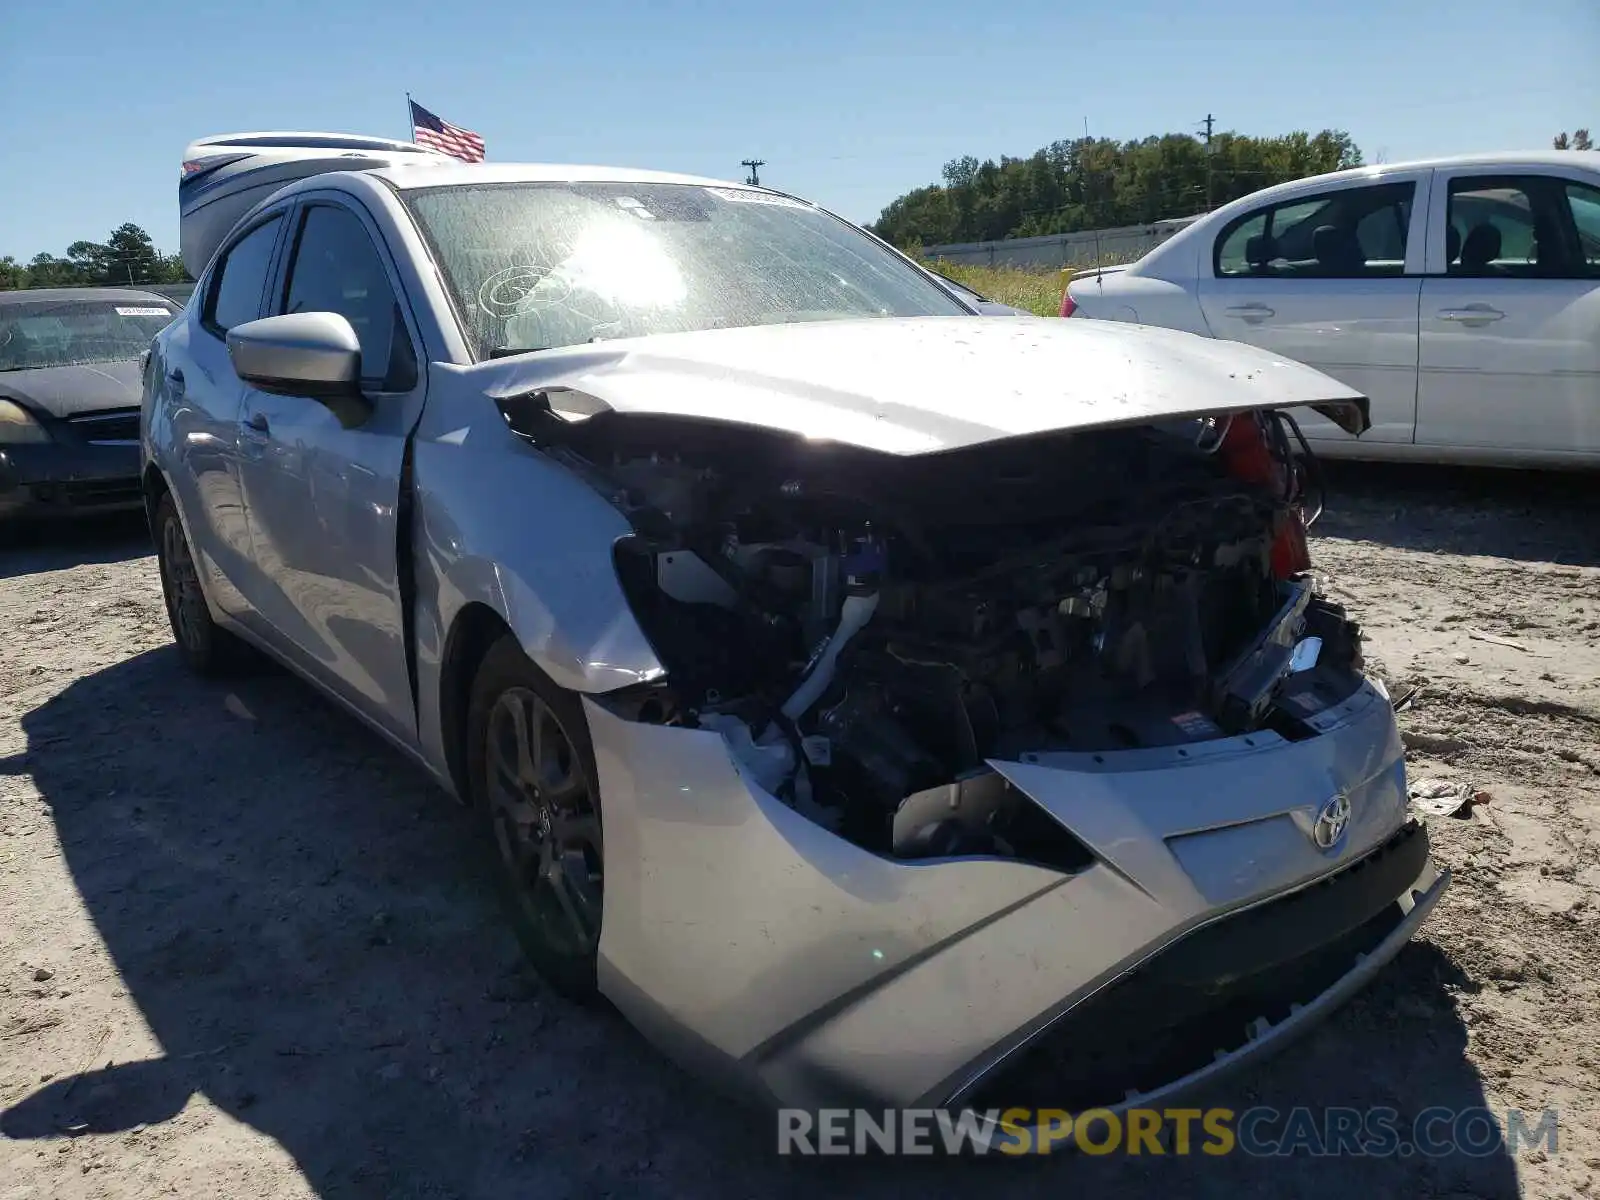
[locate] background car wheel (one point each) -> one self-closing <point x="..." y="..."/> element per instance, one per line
<point x="206" y="648"/>
<point x="531" y="770"/>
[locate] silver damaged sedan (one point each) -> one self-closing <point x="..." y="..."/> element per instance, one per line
<point x="881" y="704"/>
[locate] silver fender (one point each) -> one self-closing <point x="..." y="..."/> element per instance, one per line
<point x="498" y="524"/>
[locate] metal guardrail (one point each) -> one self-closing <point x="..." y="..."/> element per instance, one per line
<point x="1088" y="247"/>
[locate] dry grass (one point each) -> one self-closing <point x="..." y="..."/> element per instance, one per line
<point x="1036" y="289"/>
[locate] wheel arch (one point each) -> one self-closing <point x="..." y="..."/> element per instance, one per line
<point x="486" y="564"/>
<point x="154" y="486"/>
<point x="476" y="627"/>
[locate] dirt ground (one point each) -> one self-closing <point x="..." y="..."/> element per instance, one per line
<point x="247" y="951"/>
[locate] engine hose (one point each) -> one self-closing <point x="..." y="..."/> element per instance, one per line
<point x="856" y="612"/>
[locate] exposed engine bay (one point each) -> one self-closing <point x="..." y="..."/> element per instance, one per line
<point x="866" y="630"/>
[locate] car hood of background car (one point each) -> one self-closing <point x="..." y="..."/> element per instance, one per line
<point x="918" y="385"/>
<point x="67" y="391"/>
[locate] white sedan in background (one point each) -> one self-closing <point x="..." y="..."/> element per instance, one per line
<point x="1461" y="295"/>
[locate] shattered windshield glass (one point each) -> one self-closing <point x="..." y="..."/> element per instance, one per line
<point x="531" y="266"/>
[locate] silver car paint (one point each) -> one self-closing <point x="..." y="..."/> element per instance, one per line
<point x="191" y="429"/>
<point x="743" y="938"/>
<point x="917" y="385"/>
<point x="314" y="349"/>
<point x="322" y="495"/>
<point x="734" y="927"/>
<point x="482" y="495"/>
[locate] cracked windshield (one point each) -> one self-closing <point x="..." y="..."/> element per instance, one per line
<point x="535" y="266"/>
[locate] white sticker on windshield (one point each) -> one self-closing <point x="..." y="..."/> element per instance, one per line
<point x="637" y="209"/>
<point x="746" y="196"/>
<point x="131" y="310"/>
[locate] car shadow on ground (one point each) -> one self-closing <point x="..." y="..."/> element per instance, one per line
<point x="302" y="921"/>
<point x="1531" y="516"/>
<point x="26" y="549"/>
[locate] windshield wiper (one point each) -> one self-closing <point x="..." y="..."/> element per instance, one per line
<point x="513" y="351"/>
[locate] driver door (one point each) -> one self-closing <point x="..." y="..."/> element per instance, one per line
<point x="322" y="480"/>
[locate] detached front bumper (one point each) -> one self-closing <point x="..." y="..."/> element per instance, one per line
<point x="68" y="478"/>
<point x="1231" y="993"/>
<point x="1211" y="926"/>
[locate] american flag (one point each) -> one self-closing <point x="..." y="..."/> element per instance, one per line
<point x="438" y="134"/>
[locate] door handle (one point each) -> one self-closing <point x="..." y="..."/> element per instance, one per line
<point x="257" y="423"/>
<point x="1250" y="312"/>
<point x="175" y="382"/>
<point x="1472" y="314"/>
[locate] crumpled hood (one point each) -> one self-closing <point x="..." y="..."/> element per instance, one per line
<point x="920" y="385"/>
<point x="67" y="391"/>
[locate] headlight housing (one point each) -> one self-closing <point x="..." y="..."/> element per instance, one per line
<point x="18" y="426"/>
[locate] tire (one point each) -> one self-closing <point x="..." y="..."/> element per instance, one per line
<point x="531" y="771"/>
<point x="206" y="648"/>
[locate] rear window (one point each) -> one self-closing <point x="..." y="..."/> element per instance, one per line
<point x="58" y="333"/>
<point x="1349" y="233"/>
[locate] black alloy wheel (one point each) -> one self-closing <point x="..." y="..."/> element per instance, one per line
<point x="532" y="776"/>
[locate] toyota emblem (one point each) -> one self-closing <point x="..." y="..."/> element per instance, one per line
<point x="1332" y="819"/>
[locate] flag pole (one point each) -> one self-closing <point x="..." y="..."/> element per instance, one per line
<point x="411" y="128"/>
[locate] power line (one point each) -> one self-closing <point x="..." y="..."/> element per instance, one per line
<point x="755" y="164"/>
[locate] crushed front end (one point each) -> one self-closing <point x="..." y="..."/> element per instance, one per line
<point x="1045" y="747"/>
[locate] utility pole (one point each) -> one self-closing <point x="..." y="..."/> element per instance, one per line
<point x="755" y="164"/>
<point x="1209" y="122"/>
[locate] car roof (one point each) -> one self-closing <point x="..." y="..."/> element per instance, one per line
<point x="45" y="295"/>
<point x="435" y="174"/>
<point x="1506" y="160"/>
<point x="1176" y="249"/>
<point x="432" y="173"/>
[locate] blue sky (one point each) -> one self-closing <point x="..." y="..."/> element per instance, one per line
<point x="850" y="103"/>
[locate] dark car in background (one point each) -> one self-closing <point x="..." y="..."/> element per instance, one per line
<point x="70" y="363"/>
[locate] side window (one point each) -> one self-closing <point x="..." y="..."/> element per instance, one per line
<point x="1517" y="227"/>
<point x="240" y="280"/>
<point x="336" y="269"/>
<point x="1353" y="233"/>
<point x="1584" y="201"/>
<point x="1242" y="240"/>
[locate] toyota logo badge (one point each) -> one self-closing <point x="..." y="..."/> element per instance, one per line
<point x="1332" y="819"/>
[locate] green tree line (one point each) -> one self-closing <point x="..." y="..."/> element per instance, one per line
<point x="1099" y="183"/>
<point x="127" y="258"/>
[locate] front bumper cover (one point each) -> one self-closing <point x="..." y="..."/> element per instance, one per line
<point x="775" y="958"/>
<point x="1229" y="994"/>
<point x="63" y="478"/>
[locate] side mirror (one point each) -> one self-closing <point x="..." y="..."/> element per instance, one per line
<point x="313" y="354"/>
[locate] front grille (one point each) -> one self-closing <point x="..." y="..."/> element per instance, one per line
<point x="112" y="425"/>
<point x="93" y="494"/>
<point x="1171" y="1016"/>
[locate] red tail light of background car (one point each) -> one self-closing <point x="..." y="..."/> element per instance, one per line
<point x="1249" y="457"/>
